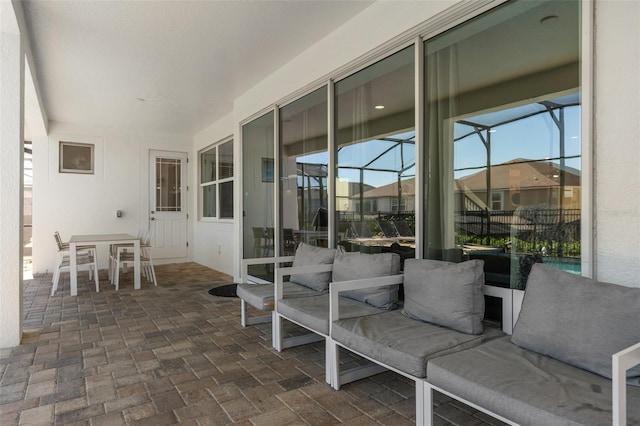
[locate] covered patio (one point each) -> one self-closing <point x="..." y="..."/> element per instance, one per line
<point x="173" y="353"/>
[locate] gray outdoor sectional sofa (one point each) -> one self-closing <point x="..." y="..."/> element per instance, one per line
<point x="555" y="369"/>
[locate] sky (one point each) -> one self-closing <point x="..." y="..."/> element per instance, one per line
<point x="533" y="138"/>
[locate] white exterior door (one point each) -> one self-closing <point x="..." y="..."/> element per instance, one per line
<point x="168" y="204"/>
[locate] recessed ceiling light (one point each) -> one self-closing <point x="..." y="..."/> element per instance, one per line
<point x="379" y="107"/>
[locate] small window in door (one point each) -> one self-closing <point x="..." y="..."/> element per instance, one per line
<point x="168" y="185"/>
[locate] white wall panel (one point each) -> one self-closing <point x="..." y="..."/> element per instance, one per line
<point x="617" y="141"/>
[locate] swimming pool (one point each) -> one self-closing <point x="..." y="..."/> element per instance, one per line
<point x="567" y="264"/>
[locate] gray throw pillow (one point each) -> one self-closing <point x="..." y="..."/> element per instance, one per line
<point x="445" y="293"/>
<point x="578" y="320"/>
<point x="355" y="266"/>
<point x="307" y="255"/>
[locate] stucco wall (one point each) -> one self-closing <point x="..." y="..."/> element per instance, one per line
<point x="87" y="204"/>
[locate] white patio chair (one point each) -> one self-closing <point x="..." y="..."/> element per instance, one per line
<point x="144" y="236"/>
<point x="85" y="259"/>
<point x="122" y="255"/>
<point x="63" y="252"/>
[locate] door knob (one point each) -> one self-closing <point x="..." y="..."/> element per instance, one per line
<point x="153" y="218"/>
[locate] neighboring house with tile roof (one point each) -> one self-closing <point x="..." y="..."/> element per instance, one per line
<point x="386" y="198"/>
<point x="523" y="182"/>
<point x="518" y="182"/>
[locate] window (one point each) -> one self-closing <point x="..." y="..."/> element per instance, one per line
<point x="402" y="206"/>
<point x="216" y="181"/>
<point x="497" y="201"/>
<point x="371" y="206"/>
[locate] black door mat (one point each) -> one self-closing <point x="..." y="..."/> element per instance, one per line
<point x="227" y="290"/>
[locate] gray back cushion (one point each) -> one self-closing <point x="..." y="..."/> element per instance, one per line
<point x="577" y="320"/>
<point x="355" y="266"/>
<point x="445" y="293"/>
<point x="307" y="255"/>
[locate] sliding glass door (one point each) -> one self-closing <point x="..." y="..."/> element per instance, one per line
<point x="502" y="119"/>
<point x="501" y="153"/>
<point x="304" y="163"/>
<point x="375" y="154"/>
<point x="258" y="196"/>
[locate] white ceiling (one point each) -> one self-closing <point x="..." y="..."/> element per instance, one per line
<point x="171" y="66"/>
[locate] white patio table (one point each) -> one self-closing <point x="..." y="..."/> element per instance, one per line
<point x="77" y="240"/>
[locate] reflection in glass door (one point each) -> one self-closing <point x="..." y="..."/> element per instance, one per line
<point x="375" y="143"/>
<point x="304" y="166"/>
<point x="258" y="193"/>
<point x="503" y="141"/>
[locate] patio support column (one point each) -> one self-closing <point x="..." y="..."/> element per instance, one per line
<point x="11" y="176"/>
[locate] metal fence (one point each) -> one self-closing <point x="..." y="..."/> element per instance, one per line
<point x="533" y="229"/>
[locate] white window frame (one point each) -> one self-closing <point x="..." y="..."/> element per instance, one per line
<point x="217" y="182"/>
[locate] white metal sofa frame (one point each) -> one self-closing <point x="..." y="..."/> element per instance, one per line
<point x="622" y="361"/>
<point x="245" y="319"/>
<point x="279" y="341"/>
<point x="424" y="400"/>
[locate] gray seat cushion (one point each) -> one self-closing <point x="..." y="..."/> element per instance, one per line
<point x="355" y="266"/>
<point x="261" y="296"/>
<point x="313" y="312"/>
<point x="578" y="320"/>
<point x="402" y="342"/>
<point x="528" y="388"/>
<point x="307" y="255"/>
<point x="445" y="293"/>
